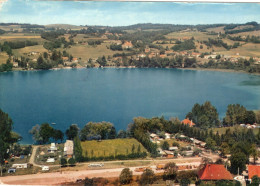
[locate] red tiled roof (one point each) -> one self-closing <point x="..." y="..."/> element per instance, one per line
<point x="188" y="122"/>
<point x="253" y="170"/>
<point x="214" y="172"/>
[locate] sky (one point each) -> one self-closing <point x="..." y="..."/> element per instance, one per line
<point x="114" y="13"/>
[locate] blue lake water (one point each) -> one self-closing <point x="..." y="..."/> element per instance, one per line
<point x="117" y="95"/>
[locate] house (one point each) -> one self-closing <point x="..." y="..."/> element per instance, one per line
<point x="68" y="148"/>
<point x="64" y="59"/>
<point x="147" y="50"/>
<point x="160" y="167"/>
<point x="75" y="60"/>
<point x="20" y="166"/>
<point x="50" y="160"/>
<point x="15" y="64"/>
<point x="127" y="45"/>
<point x="253" y="170"/>
<point x="141" y="55"/>
<point x="188" y="122"/>
<point x="167" y="136"/>
<point x="214" y="172"/>
<point x="53" y="148"/>
<point x="173" y="148"/>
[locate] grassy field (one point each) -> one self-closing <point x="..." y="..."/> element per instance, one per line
<point x="216" y="29"/>
<point x="233" y="128"/>
<point x="25" y="50"/>
<point x="196" y="34"/>
<point x="85" y="51"/>
<point x="110" y="147"/>
<point x="3" y="57"/>
<point x="248" y="49"/>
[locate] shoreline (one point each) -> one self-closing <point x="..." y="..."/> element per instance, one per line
<point x="133" y="67"/>
<point x="220" y="70"/>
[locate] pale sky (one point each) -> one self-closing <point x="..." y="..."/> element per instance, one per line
<point x="125" y="13"/>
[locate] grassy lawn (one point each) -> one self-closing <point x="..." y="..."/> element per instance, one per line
<point x="110" y="147"/>
<point x="233" y="128"/>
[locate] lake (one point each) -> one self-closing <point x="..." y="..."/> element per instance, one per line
<point x="78" y="96"/>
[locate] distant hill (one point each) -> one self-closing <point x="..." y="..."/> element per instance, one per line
<point x="65" y="26"/>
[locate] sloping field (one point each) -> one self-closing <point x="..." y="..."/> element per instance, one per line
<point x="3" y="57"/>
<point x="216" y="29"/>
<point x="110" y="147"/>
<point x="252" y="33"/>
<point x="85" y="51"/>
<point x="249" y="49"/>
<point x="22" y="51"/>
<point x="187" y="35"/>
<point x="236" y="127"/>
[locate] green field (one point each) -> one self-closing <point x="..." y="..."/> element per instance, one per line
<point x="110" y="147"/>
<point x="3" y="57"/>
<point x="85" y="51"/>
<point x="233" y="128"/>
<point x="196" y="34"/>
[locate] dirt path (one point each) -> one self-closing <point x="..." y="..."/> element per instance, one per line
<point x="71" y="176"/>
<point x="32" y="158"/>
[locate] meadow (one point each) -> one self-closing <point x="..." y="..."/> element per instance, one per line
<point x="112" y="147"/>
<point x="223" y="130"/>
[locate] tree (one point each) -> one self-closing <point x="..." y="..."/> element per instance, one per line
<point x="165" y="145"/>
<point x="58" y="135"/>
<point x="250" y="117"/>
<point x="238" y="161"/>
<point x="126" y="176"/>
<point x="72" y="161"/>
<point x="170" y="171"/>
<point x="185" y="182"/>
<point x="6" y="125"/>
<point x="235" y="114"/>
<point x="72" y="132"/>
<point x="46" y="132"/>
<point x="147" y="177"/>
<point x="255" y="181"/>
<point x="63" y="162"/>
<point x="121" y="134"/>
<point x="77" y="149"/>
<point x="254" y="152"/>
<point x="210" y="144"/>
<point x="35" y="131"/>
<point x="205" y="116"/>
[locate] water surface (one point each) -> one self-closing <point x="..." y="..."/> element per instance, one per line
<point x="117" y="95"/>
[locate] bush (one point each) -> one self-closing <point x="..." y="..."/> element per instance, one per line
<point x="63" y="162"/>
<point x="126" y="176"/>
<point x="147" y="177"/>
<point x="72" y="161"/>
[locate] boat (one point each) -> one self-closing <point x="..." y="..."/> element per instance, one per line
<point x="53" y="123"/>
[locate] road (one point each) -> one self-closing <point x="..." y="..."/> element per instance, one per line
<point x="54" y="178"/>
<point x="71" y="176"/>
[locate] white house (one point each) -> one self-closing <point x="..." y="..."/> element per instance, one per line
<point x="50" y="160"/>
<point x="20" y="166"/>
<point x="173" y="148"/>
<point x="68" y="148"/>
<point x="167" y="136"/>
